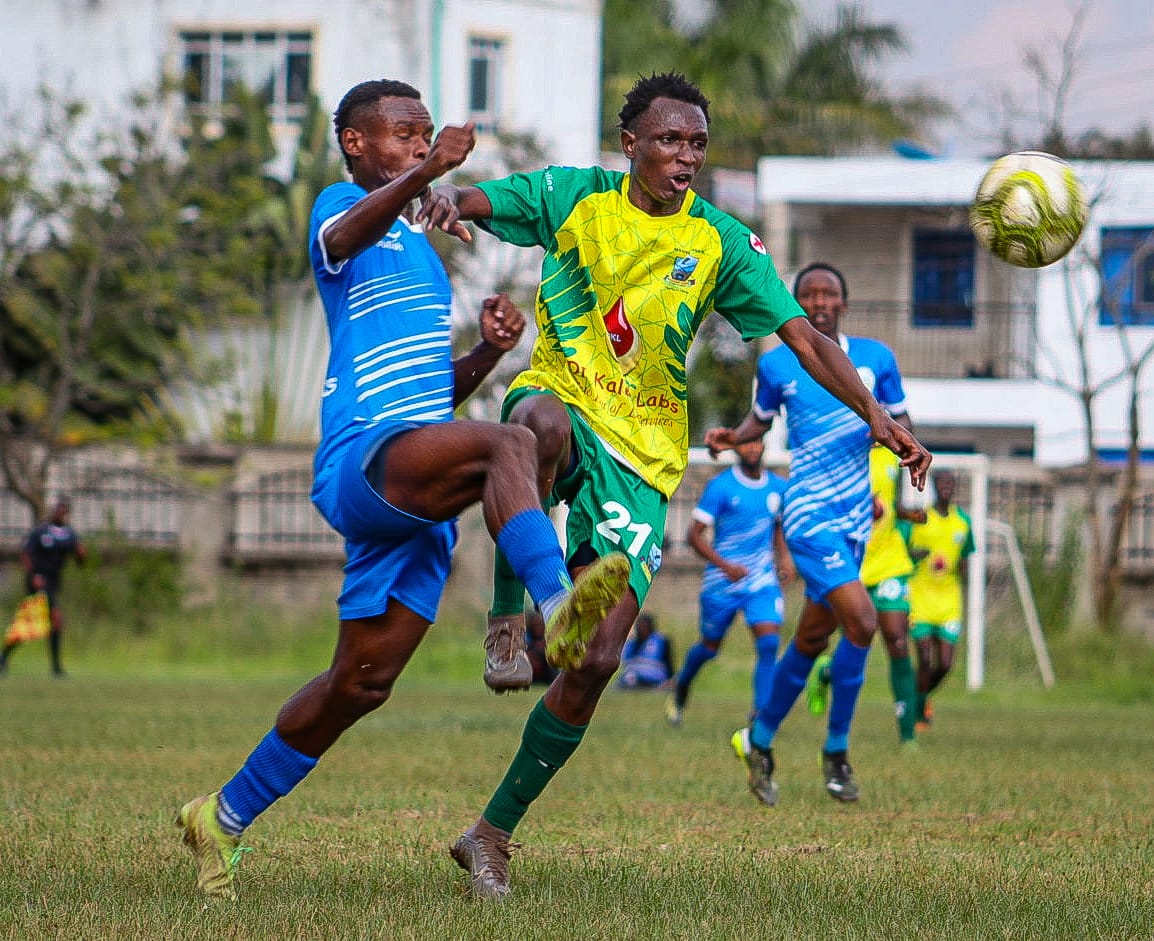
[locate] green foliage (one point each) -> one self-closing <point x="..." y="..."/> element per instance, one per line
<point x="1054" y="576"/>
<point x="721" y="372"/>
<point x="123" y="588"/>
<point x="774" y="85"/>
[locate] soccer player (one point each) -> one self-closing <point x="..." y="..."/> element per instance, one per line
<point x="742" y="505"/>
<point x="46" y="548"/>
<point x="633" y="264"/>
<point x="885" y="572"/>
<point x="647" y="658"/>
<point x="827" y="518"/>
<point x="940" y="546"/>
<point x="394" y="469"/>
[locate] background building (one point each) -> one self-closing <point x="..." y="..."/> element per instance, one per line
<point x="982" y="343"/>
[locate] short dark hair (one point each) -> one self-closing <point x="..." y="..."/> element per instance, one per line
<point x="664" y="85"/>
<point x="365" y="95"/>
<point x="821" y="266"/>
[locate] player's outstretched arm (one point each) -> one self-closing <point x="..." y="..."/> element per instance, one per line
<point x="502" y="325"/>
<point x="823" y="359"/>
<point x="725" y="439"/>
<point x="371" y="218"/>
<point x="446" y="207"/>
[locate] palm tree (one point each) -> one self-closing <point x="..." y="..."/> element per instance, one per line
<point x="774" y="87"/>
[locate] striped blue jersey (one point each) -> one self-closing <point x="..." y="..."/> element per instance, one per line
<point x="829" y="485"/>
<point x="389" y="318"/>
<point x="743" y="513"/>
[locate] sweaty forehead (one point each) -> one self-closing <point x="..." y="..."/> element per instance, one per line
<point x="671" y="114"/>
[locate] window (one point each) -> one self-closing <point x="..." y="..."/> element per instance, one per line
<point x="943" y="278"/>
<point x="1127" y="277"/>
<point x="486" y="57"/>
<point x="276" y="66"/>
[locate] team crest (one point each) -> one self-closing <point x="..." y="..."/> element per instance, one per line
<point x="683" y="269"/>
<point x="756" y="244"/>
<point x="652" y="561"/>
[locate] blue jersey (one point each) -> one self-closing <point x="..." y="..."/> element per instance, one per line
<point x="829" y="486"/>
<point x="389" y="318"/>
<point x="743" y="513"/>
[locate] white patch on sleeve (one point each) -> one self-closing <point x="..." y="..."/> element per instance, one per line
<point x="329" y="266"/>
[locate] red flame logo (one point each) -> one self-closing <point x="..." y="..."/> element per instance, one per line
<point x="621" y="334"/>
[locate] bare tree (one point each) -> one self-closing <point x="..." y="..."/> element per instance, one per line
<point x="1092" y="302"/>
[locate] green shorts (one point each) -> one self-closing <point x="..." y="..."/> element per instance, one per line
<point x="891" y="594"/>
<point x="949" y="631"/>
<point x="611" y="509"/>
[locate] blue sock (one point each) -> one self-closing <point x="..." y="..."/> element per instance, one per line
<point x="697" y="656"/>
<point x="766" y="647"/>
<point x="271" y="771"/>
<point x="786" y="685"/>
<point x="529" y="543"/>
<point x="847" y="673"/>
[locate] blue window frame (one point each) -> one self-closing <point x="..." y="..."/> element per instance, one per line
<point x="1127" y="276"/>
<point x="943" y="278"/>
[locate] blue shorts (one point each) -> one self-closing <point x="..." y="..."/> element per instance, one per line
<point x="719" y="608"/>
<point x="391" y="553"/>
<point x="826" y="560"/>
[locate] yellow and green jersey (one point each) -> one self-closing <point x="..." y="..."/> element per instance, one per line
<point x="622" y="296"/>
<point x="886" y="555"/>
<point x="935" y="588"/>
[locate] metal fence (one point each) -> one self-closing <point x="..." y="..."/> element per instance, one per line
<point x="125" y="503"/>
<point x="273" y="518"/>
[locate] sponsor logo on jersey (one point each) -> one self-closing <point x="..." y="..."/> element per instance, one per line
<point x="625" y="339"/>
<point x="329" y="387"/>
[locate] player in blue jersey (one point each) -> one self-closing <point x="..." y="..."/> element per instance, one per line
<point x="827" y="519"/>
<point x="742" y="505"/>
<point x="394" y="469"/>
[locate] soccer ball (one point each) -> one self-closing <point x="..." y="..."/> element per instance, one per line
<point x="1029" y="209"/>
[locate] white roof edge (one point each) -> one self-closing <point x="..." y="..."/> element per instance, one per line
<point x="942" y="181"/>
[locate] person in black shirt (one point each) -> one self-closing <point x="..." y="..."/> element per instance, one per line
<point x="46" y="549"/>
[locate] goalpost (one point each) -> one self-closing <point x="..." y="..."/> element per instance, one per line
<point x="975" y="468"/>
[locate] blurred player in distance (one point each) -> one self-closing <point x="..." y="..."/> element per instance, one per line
<point x="743" y="560"/>
<point x="940" y="547"/>
<point x="885" y="572"/>
<point x="647" y="658"/>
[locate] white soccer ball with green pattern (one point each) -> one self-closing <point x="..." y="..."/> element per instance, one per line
<point x="1029" y="209"/>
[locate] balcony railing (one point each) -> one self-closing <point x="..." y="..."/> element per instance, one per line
<point x="998" y="343"/>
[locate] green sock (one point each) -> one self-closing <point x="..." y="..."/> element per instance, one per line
<point x="508" y="592"/>
<point x="905" y="687"/>
<point x="546" y="745"/>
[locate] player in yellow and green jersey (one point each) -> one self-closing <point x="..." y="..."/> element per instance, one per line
<point x="634" y="262"/>
<point x="885" y="572"/>
<point x="940" y="547"/>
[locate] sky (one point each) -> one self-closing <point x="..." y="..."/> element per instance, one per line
<point x="969" y="51"/>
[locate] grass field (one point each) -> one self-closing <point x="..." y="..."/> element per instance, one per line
<point x="1025" y="814"/>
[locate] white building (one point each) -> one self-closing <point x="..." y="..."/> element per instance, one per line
<point x="516" y="65"/>
<point x="521" y="66"/>
<point x="977" y="339"/>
